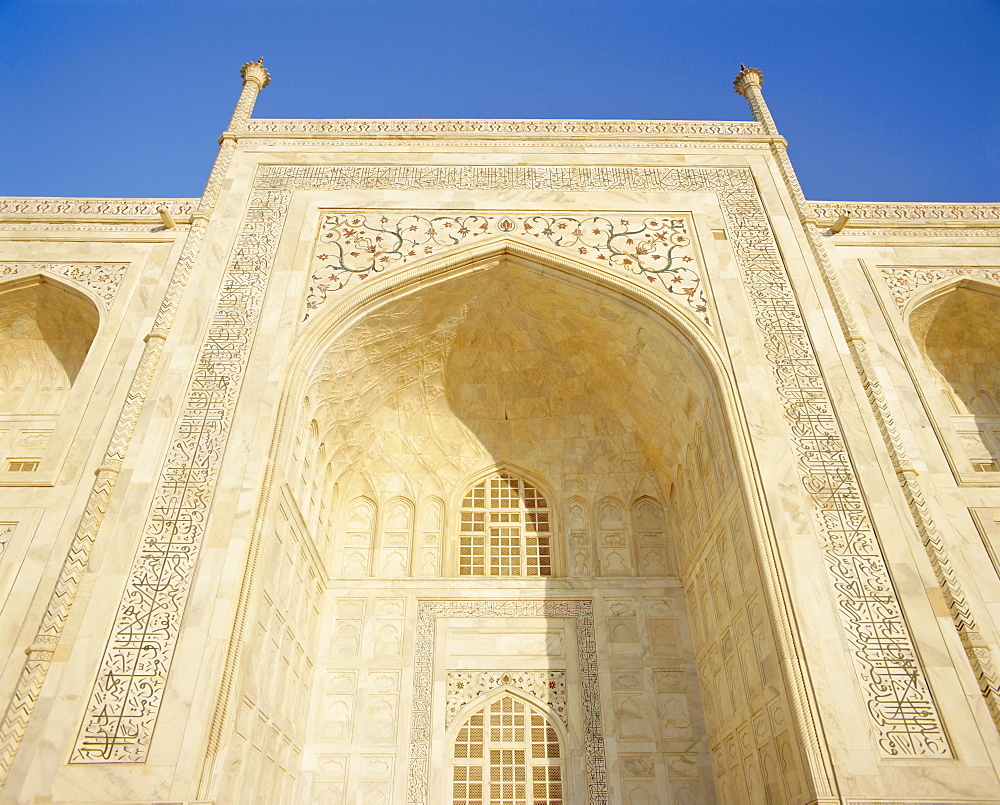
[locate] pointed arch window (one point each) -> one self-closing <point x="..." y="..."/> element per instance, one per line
<point x="505" y="529"/>
<point x="507" y="753"/>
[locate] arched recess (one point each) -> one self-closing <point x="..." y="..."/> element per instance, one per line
<point x="957" y="330"/>
<point x="511" y="742"/>
<point x="513" y="356"/>
<point x="46" y="329"/>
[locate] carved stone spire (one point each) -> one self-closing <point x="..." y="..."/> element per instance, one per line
<point x="255" y="71"/>
<point x="746" y="76"/>
<point x="255" y="78"/>
<point x="747" y="83"/>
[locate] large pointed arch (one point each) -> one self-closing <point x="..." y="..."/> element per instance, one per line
<point x="381" y="290"/>
<point x="664" y="318"/>
<point x="957" y="329"/>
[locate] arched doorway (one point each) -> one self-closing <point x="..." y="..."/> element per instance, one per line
<point x="506" y="388"/>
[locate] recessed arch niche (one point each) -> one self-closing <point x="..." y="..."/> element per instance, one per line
<point x="46" y="330"/>
<point x="618" y="409"/>
<point x="957" y="329"/>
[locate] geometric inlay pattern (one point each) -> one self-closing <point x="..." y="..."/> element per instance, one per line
<point x="103" y="279"/>
<point x="546" y="686"/>
<point x="359" y="245"/>
<point x="122" y="710"/>
<point x="423" y="673"/>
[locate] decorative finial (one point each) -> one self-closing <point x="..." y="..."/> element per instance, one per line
<point x="255" y="71"/>
<point x="747" y="77"/>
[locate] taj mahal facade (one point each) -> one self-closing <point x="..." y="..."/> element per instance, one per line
<point x="499" y="462"/>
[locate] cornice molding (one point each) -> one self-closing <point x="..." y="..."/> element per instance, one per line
<point x="24" y="208"/>
<point x="584" y="129"/>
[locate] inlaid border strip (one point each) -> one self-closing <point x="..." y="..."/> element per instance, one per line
<point x="423" y="675"/>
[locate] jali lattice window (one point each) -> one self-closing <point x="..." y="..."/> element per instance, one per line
<point x="505" y="530"/>
<point x="507" y="753"/>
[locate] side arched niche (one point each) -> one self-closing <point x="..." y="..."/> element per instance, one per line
<point x="957" y="329"/>
<point x="613" y="405"/>
<point x="46" y="331"/>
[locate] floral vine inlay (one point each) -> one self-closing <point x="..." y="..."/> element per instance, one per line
<point x="104" y="279"/>
<point x="904" y="281"/>
<point x="546" y="686"/>
<point x="357" y="245"/>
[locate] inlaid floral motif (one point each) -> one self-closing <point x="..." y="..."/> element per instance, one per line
<point x="904" y="282"/>
<point x="104" y="279"/>
<point x="546" y="686"/>
<point x="356" y="246"/>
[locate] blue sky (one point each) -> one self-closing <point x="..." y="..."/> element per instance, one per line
<point x="879" y="100"/>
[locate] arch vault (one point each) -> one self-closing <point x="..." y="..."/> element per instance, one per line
<point x="613" y="402"/>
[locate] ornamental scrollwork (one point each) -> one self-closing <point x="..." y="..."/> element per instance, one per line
<point x="904" y="282"/>
<point x="549" y="687"/>
<point x="356" y="246"/>
<point x="514" y="128"/>
<point x="901" y="211"/>
<point x="100" y="207"/>
<point x="103" y="279"/>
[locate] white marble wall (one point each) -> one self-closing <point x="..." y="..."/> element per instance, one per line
<point x="725" y="665"/>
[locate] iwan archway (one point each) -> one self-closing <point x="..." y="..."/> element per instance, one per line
<point x="525" y="485"/>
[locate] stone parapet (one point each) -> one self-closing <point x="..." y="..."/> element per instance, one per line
<point x="584" y="129"/>
<point x="20" y="208"/>
<point x="905" y="213"/>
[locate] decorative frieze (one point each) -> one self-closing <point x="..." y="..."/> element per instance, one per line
<point x="927" y="232"/>
<point x="355" y="245"/>
<point x="278" y="178"/>
<point x="129" y="689"/>
<point x="16" y="207"/>
<point x="905" y="212"/>
<point x="680" y="144"/>
<point x="103" y="279"/>
<point x="428" y="614"/>
<point x="90" y="226"/>
<point x="506" y="128"/>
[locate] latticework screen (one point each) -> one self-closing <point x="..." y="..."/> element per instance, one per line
<point x="505" y="530"/>
<point x="507" y="753"/>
